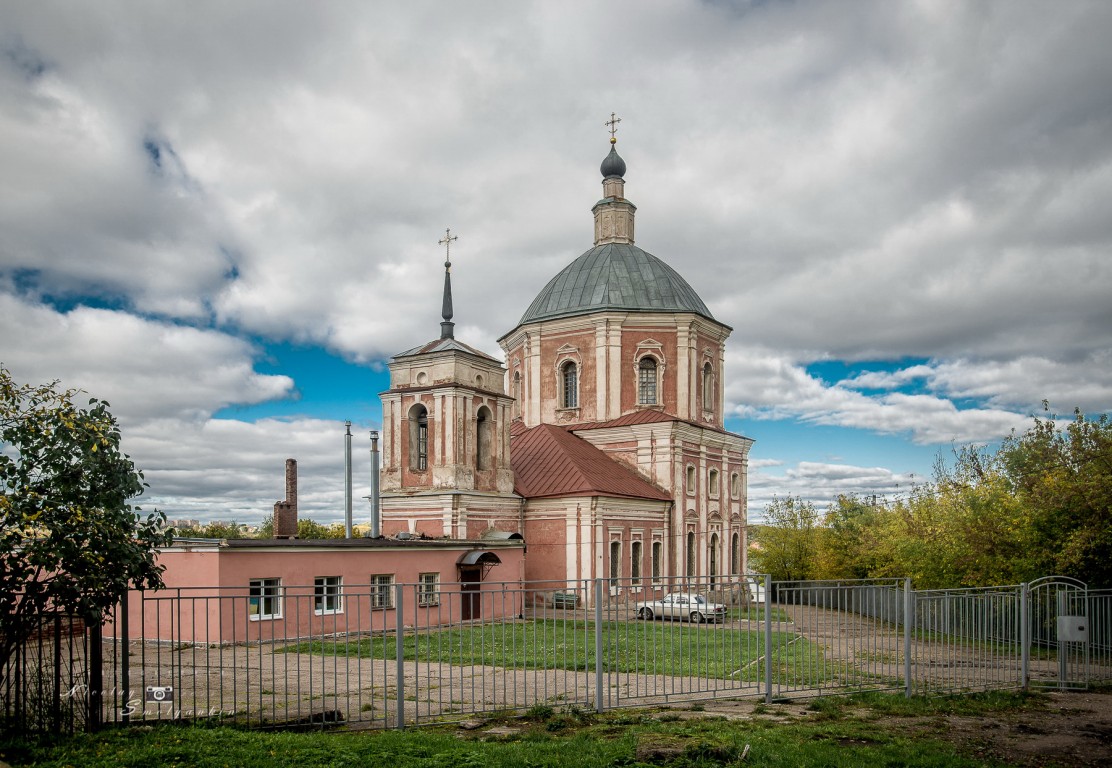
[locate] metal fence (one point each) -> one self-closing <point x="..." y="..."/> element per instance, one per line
<point x="394" y="655"/>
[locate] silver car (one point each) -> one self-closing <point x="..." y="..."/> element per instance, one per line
<point x="685" y="606"/>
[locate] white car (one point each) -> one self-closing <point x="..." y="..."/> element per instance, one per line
<point x="685" y="606"/>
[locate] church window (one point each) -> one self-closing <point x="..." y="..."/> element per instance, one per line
<point x="713" y="558"/>
<point x="569" y="382"/>
<point x="517" y="393"/>
<point x="708" y="387"/>
<point x="735" y="485"/>
<point x="691" y="554"/>
<point x="691" y="479"/>
<point x="418" y="438"/>
<point x="712" y="482"/>
<point x="735" y="554"/>
<point x="483" y="438"/>
<point x="615" y="559"/>
<point x="635" y="563"/>
<point x="646" y="381"/>
<point x="658" y="560"/>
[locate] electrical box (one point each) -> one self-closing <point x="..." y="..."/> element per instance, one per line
<point x="1073" y="629"/>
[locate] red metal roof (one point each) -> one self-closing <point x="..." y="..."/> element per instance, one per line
<point x="550" y="461"/>
<point x="647" y="416"/>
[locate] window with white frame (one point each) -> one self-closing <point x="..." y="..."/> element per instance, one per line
<point x="646" y="381"/>
<point x="382" y="590"/>
<point x="328" y="595"/>
<point x="265" y="601"/>
<point x="635" y="563"/>
<point x="569" y="384"/>
<point x="712" y="482"/>
<point x="691" y="554"/>
<point x="735" y="485"/>
<point x="690" y="479"/>
<point x="615" y="559"/>
<point x="658" y="560"/>
<point x="428" y="589"/>
<point x="735" y="554"/>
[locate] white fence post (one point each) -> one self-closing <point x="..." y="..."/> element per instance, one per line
<point x="1025" y="634"/>
<point x="768" y="638"/>
<point x="399" y="650"/>
<point x="598" y="646"/>
<point x="909" y="623"/>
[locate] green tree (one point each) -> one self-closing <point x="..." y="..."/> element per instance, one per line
<point x="69" y="539"/>
<point x="307" y="528"/>
<point x="787" y="540"/>
<point x="1064" y="476"/>
<point x="214" y="530"/>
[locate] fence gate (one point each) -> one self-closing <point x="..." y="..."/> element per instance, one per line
<point x="1059" y="633"/>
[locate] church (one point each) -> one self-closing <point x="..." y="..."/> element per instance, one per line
<point x="599" y="440"/>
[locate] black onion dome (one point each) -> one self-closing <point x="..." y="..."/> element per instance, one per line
<point x="613" y="165"/>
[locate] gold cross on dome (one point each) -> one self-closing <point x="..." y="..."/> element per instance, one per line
<point x="449" y="238"/>
<point x="613" y="123"/>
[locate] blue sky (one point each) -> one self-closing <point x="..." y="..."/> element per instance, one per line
<point x="223" y="218"/>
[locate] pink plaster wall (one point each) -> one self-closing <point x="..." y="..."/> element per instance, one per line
<point x="207" y="596"/>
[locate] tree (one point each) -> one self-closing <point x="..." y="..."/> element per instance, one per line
<point x="307" y="528"/>
<point x="69" y="539"/>
<point x="213" y="530"/>
<point x="787" y="541"/>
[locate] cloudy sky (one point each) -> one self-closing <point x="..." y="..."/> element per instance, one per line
<point x="222" y="217"/>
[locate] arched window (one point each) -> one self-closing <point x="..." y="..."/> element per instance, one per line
<point x="735" y="485"/>
<point x="713" y="558"/>
<point x="569" y="383"/>
<point x="735" y="554"/>
<point x="517" y="393"/>
<point x="418" y="438"/>
<point x="646" y="381"/>
<point x="615" y="559"/>
<point x="708" y="387"/>
<point x="691" y="554"/>
<point x="484" y="433"/>
<point x="635" y="563"/>
<point x="712" y="482"/>
<point x="658" y="560"/>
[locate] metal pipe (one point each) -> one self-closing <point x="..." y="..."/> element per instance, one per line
<point x="347" y="481"/>
<point x="376" y="513"/>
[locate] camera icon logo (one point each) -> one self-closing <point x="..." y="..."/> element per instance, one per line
<point x="160" y="694"/>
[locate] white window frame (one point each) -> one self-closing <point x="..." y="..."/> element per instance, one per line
<point x="382" y="591"/>
<point x="428" y="589"/>
<point x="328" y="595"/>
<point x="657" y="561"/>
<point x="270" y="589"/>
<point x="636" y="556"/>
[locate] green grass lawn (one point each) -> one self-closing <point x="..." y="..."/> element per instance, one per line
<point x="652" y="648"/>
<point x="857" y="731"/>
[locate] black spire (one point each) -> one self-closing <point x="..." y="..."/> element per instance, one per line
<point x="446" y="327"/>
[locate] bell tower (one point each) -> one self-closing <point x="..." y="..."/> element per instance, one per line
<point x="446" y="437"/>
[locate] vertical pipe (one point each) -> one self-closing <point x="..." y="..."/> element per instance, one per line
<point x="909" y="621"/>
<point x="376" y="522"/>
<point x="347" y="481"/>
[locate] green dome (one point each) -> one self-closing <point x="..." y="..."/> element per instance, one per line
<point x="615" y="276"/>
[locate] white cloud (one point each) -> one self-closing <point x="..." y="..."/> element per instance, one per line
<point x="888" y="182"/>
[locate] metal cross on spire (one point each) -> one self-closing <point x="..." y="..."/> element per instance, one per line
<point x="613" y="123"/>
<point x="446" y="327"/>
<point x="447" y="241"/>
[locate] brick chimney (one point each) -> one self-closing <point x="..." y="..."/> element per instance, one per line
<point x="285" y="512"/>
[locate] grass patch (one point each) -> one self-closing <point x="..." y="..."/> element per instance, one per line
<point x="651" y="648"/>
<point x="848" y="734"/>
